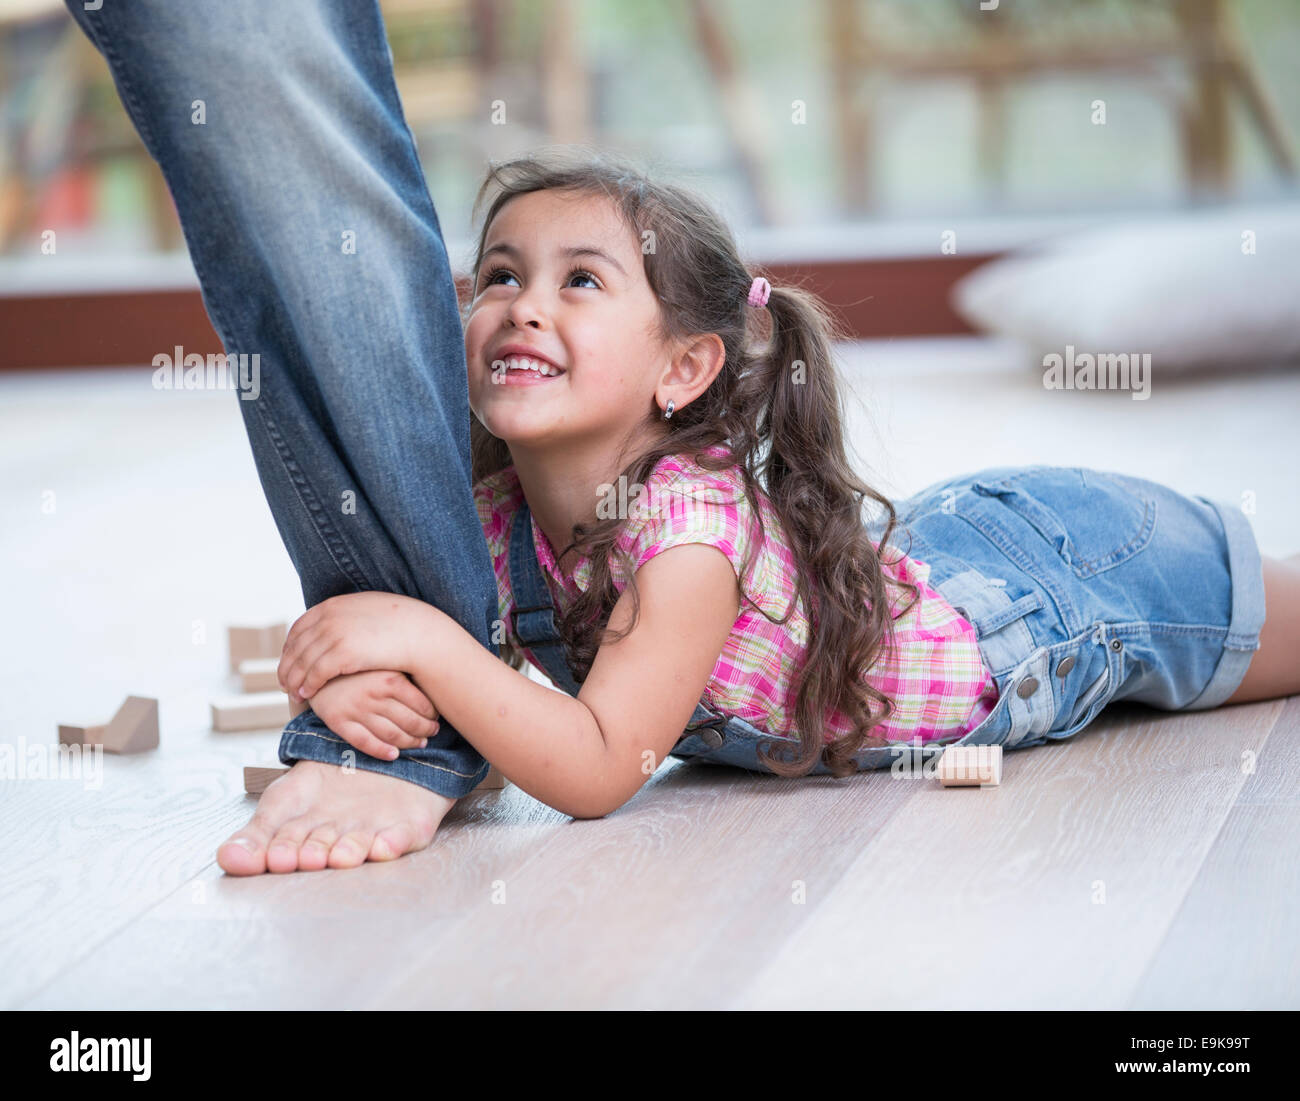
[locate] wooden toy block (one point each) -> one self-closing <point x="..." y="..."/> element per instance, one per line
<point x="256" y="711"/>
<point x="81" y="735"/>
<point x="134" y="728"/>
<point x="259" y="674"/>
<point x="257" y="780"/>
<point x="264" y="640"/>
<point x="970" y="766"/>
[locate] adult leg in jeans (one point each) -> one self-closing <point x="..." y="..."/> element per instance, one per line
<point x="306" y="213"/>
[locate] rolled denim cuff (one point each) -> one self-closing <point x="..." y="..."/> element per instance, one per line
<point x="1246" y="567"/>
<point x="448" y="765"/>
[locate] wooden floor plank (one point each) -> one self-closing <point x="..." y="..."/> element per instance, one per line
<point x="305" y="941"/>
<point x="661" y="905"/>
<point x="1234" y="942"/>
<point x="120" y="504"/>
<point x="514" y="905"/>
<point x="81" y="863"/>
<point x="1051" y="891"/>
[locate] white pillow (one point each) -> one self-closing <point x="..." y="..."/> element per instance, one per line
<point x="1191" y="292"/>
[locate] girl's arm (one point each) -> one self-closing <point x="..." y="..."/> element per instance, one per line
<point x="584" y="755"/>
<point x="588" y="755"/>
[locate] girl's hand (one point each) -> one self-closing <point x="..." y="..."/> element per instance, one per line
<point x="350" y="634"/>
<point x="378" y="712"/>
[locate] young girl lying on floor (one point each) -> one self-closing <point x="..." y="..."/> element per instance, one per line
<point x="659" y="456"/>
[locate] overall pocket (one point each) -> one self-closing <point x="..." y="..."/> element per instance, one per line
<point x="1093" y="519"/>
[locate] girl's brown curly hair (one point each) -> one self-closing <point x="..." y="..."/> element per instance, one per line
<point x="775" y="406"/>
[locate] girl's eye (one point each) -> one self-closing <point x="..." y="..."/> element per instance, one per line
<point x="490" y="278"/>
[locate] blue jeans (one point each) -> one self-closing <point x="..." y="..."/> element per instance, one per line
<point x="318" y="249"/>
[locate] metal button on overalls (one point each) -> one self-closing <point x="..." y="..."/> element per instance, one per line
<point x="1065" y="665"/>
<point x="1027" y="687"/>
<point x="712" y="737"/>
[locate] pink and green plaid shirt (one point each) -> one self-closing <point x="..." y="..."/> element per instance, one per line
<point x="934" y="672"/>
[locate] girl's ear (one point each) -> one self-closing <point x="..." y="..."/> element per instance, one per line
<point x="692" y="370"/>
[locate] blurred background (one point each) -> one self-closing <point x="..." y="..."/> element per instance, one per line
<point x="973" y="186"/>
<point x="833" y="132"/>
<point x="908" y="109"/>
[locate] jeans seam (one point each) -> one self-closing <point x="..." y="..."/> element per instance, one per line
<point x="1003" y="541"/>
<point x="1091" y="567"/>
<point x="409" y="760"/>
<point x="138" y="115"/>
<point x="333" y="542"/>
<point x="1206" y="630"/>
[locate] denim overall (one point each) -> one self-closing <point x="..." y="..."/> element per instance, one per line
<point x="1083" y="586"/>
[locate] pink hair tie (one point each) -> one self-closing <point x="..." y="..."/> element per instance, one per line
<point x="759" y="291"/>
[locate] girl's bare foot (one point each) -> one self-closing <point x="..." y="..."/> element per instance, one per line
<point x="318" y="816"/>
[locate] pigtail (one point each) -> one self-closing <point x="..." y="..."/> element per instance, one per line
<point x="806" y="474"/>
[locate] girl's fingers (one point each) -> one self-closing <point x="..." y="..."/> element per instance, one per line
<point x="296" y="659"/>
<point x="282" y="671"/>
<point x="290" y="669"/>
<point x="359" y="737"/>
<point x="388" y="731"/>
<point x="416" y="727"/>
<point x="410" y="695"/>
<point x="320" y="663"/>
<point x="298" y="633"/>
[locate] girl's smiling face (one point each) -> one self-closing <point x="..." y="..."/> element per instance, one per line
<point x="562" y="276"/>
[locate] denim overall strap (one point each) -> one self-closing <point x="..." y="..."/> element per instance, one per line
<point x="533" y="617"/>
<point x="533" y="620"/>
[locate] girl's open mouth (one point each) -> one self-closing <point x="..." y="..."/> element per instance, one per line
<point x="521" y="370"/>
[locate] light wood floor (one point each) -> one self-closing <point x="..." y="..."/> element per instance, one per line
<point x="1143" y="864"/>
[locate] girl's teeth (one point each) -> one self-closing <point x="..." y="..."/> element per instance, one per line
<point x="519" y="364"/>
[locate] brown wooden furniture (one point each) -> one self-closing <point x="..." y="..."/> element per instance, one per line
<point x="1024" y="41"/>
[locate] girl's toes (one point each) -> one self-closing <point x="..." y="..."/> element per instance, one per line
<point x="282" y="853"/>
<point x="391" y="843"/>
<point x="244" y="853"/>
<point x="350" y="850"/>
<point x="315" y="852"/>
